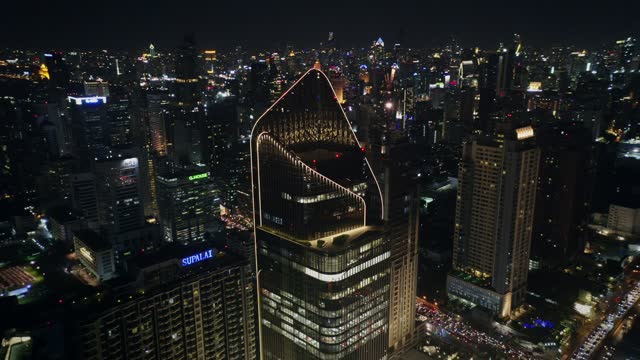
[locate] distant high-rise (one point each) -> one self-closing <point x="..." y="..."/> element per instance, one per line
<point x="564" y="192"/>
<point x="186" y="199"/>
<point x="58" y="70"/>
<point x="119" y="130"/>
<point x="322" y="260"/>
<point x="627" y="52"/>
<point x="156" y="129"/>
<point x="120" y="202"/>
<point x="88" y="124"/>
<point x="188" y="91"/>
<point x="494" y="217"/>
<point x="187" y="125"/>
<point x="84" y="196"/>
<point x="402" y="219"/>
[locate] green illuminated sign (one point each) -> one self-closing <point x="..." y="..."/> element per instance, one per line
<point x="198" y="176"/>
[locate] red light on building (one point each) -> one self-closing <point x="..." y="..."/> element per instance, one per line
<point x="363" y="149"/>
<point x="338" y="155"/>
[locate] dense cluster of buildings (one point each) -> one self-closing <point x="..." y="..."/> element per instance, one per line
<point x="232" y="205"/>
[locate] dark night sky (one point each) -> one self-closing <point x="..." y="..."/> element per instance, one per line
<point x="225" y="23"/>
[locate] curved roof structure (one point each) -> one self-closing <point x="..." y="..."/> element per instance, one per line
<point x="310" y="175"/>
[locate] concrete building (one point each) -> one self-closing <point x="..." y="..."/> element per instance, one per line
<point x="95" y="253"/>
<point x="494" y="218"/>
<point x="624" y="220"/>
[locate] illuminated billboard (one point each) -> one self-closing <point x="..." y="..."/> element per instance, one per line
<point x="198" y="176"/>
<point x="196" y="258"/>
<point x="88" y="100"/>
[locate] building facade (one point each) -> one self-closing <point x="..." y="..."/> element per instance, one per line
<point x="185" y="203"/>
<point x="322" y="257"/>
<point x="494" y="218"/>
<point x="182" y="310"/>
<point x="95" y="253"/>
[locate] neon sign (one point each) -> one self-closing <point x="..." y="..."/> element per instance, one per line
<point x="196" y="258"/>
<point x="88" y="100"/>
<point x="198" y="176"/>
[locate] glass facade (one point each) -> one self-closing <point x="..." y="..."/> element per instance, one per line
<point x="322" y="260"/>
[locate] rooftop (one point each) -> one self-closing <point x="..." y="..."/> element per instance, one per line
<point x="92" y="239"/>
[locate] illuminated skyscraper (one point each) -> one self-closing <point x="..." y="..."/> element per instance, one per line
<point x="186" y="203"/>
<point x="156" y="127"/>
<point x="494" y="219"/>
<point x="322" y="259"/>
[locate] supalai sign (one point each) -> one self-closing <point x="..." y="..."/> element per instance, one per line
<point x="196" y="258"/>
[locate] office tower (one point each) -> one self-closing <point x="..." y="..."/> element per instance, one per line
<point x="88" y="124"/>
<point x="496" y="81"/>
<point x="84" y="196"/>
<point x="120" y="205"/>
<point x="210" y="61"/>
<point x="186" y="200"/>
<point x="322" y="260"/>
<point x="402" y="208"/>
<point x="119" y="129"/>
<point x="221" y="129"/>
<point x="377" y="52"/>
<point x="149" y="165"/>
<point x="186" y="304"/>
<point x="337" y="81"/>
<point x="488" y="83"/>
<point x="187" y="125"/>
<point x="627" y="53"/>
<point x="494" y="215"/>
<point x="10" y="133"/>
<point x="563" y="198"/>
<point x="188" y="84"/>
<point x="58" y="70"/>
<point x="156" y="126"/>
<point x="506" y="63"/>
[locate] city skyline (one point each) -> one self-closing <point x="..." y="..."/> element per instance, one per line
<point x="185" y="199"/>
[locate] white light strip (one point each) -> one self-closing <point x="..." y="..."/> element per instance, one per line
<point x="332" y="277"/>
<point x="335" y="96"/>
<point x="299" y="162"/>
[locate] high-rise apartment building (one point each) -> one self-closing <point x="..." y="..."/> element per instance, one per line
<point x="494" y="217"/>
<point x="181" y="305"/>
<point x="322" y="258"/>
